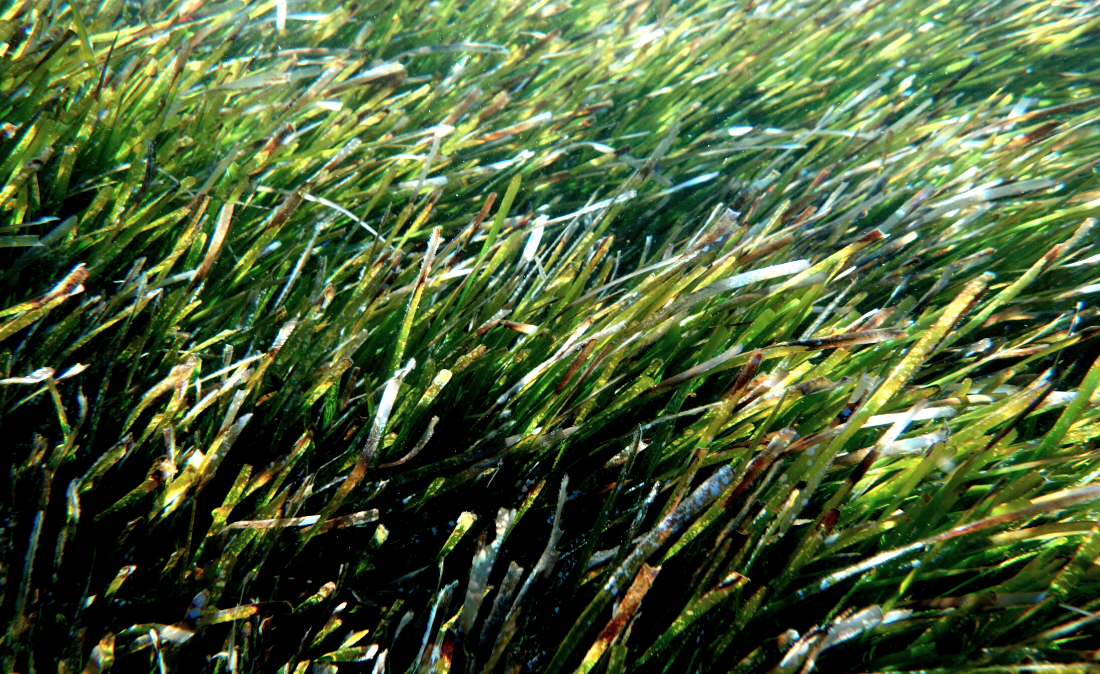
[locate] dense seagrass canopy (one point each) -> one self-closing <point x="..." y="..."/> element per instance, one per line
<point x="555" y="336"/>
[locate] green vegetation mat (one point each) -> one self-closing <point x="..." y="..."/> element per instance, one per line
<point x="550" y="336"/>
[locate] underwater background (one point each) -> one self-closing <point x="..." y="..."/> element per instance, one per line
<point x="552" y="336"/>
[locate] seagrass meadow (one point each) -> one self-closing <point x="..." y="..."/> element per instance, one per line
<point x="550" y="336"/>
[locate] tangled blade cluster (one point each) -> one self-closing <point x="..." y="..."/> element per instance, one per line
<point x="567" y="336"/>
